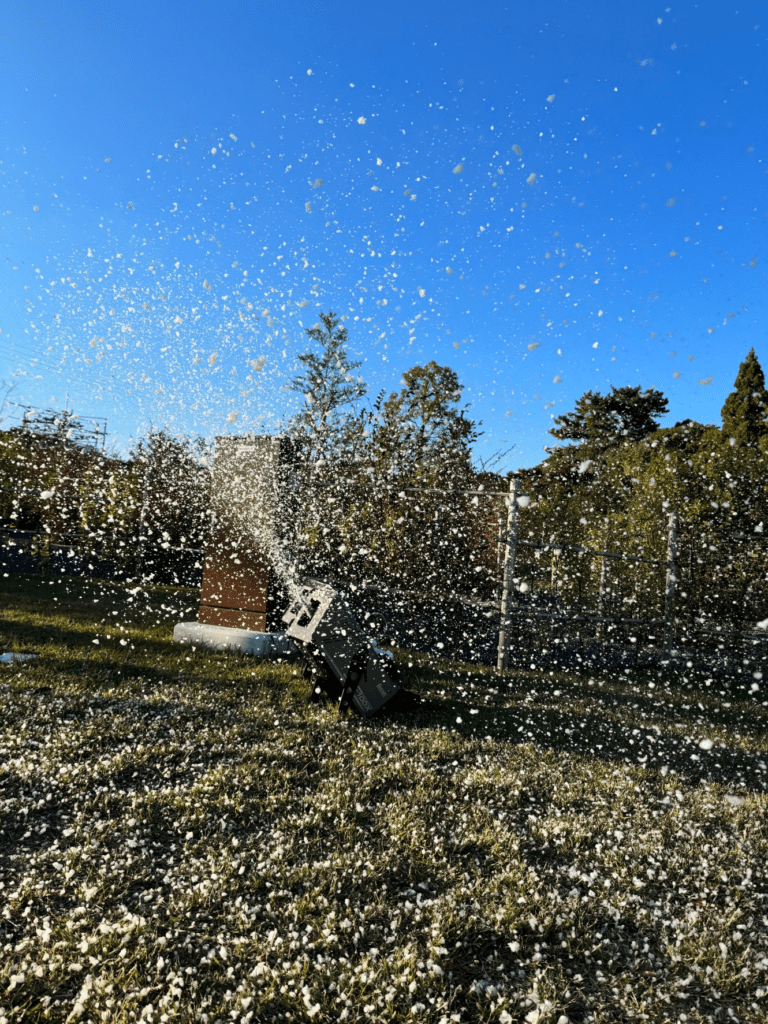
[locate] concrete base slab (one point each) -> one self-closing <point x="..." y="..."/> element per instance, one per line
<point x="228" y="638"/>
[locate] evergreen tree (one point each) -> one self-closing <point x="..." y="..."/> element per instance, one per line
<point x="326" y="382"/>
<point x="603" y="421"/>
<point x="326" y="436"/>
<point x="745" y="413"/>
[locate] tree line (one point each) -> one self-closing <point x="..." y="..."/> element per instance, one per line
<point x="73" y="505"/>
<point x="619" y="477"/>
<point x="387" y="493"/>
<point x="610" y="482"/>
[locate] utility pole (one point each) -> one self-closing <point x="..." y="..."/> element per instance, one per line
<point x="603" y="584"/>
<point x="510" y="554"/>
<point x="671" y="582"/>
<point x="144" y="513"/>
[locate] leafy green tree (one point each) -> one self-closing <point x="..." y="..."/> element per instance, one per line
<point x="745" y="413"/>
<point x="580" y="486"/>
<point x="67" y="493"/>
<point x="171" y="489"/>
<point x="380" y="512"/>
<point x="422" y="434"/>
<point x="412" y="446"/>
<point x="603" y="421"/>
<point x="29" y="465"/>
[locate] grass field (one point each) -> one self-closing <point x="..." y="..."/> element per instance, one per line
<point x="184" y="838"/>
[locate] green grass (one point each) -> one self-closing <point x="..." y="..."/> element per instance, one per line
<point x="184" y="838"/>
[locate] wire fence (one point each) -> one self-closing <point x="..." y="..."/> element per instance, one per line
<point x="640" y="596"/>
<point x="471" y="572"/>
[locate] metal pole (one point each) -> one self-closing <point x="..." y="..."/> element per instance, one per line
<point x="602" y="585"/>
<point x="499" y="543"/>
<point x="671" y="582"/>
<point x="143" y="516"/>
<point x="510" y="554"/>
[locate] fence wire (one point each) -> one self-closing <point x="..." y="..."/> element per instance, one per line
<point x="430" y="567"/>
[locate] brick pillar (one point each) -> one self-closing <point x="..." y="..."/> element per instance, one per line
<point x="238" y="584"/>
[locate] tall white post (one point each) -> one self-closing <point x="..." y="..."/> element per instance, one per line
<point x="510" y="554"/>
<point x="671" y="582"/>
<point x="141" y="553"/>
<point x="600" y="628"/>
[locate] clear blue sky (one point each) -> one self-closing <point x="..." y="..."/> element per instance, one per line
<point x="547" y="198"/>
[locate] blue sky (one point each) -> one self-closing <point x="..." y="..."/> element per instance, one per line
<point x="547" y="198"/>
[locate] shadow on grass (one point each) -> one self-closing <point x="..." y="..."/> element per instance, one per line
<point x="86" y="601"/>
<point x="619" y="725"/>
<point x="616" y="723"/>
